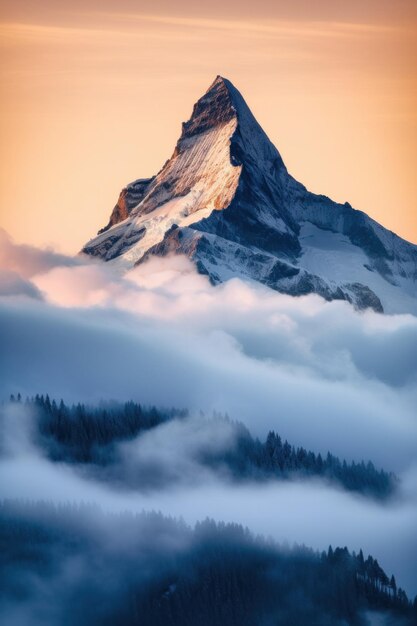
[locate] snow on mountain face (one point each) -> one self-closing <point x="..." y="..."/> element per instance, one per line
<point x="226" y="200"/>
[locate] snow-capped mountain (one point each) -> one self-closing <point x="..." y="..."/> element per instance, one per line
<point x="226" y="200"/>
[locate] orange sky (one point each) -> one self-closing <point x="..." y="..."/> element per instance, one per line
<point x="93" y="96"/>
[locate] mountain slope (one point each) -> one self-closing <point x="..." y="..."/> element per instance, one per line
<point x="227" y="201"/>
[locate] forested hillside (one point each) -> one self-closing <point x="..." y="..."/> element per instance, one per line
<point x="82" y="434"/>
<point x="150" y="570"/>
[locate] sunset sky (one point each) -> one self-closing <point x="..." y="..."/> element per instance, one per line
<point x="94" y="93"/>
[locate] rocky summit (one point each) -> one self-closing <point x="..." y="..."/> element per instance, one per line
<point x="226" y="200"/>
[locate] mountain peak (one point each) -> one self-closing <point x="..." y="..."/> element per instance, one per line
<point x="219" y="80"/>
<point x="226" y="200"/>
<point x="213" y="109"/>
<point x="222" y="104"/>
<point x="221" y="83"/>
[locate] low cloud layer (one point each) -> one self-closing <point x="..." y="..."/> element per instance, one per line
<point x="321" y="374"/>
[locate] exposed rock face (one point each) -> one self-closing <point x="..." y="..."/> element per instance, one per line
<point x="130" y="196"/>
<point x="227" y="201"/>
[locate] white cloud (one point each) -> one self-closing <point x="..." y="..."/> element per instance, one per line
<point x="321" y="374"/>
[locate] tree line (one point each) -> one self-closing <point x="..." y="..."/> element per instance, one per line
<point x="83" y="434"/>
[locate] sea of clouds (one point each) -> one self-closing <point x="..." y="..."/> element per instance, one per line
<point x="321" y="374"/>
